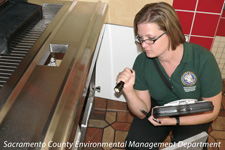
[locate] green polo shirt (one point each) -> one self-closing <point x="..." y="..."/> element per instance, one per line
<point x="195" y="77"/>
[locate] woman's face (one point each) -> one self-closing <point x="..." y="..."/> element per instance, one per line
<point x="151" y="31"/>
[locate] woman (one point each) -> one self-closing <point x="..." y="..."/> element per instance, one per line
<point x="191" y="70"/>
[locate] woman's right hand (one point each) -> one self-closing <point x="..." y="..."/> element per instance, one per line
<point x="128" y="77"/>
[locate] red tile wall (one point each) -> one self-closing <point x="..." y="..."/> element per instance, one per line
<point x="204" y="41"/>
<point x="223" y="14"/>
<point x="185" y="4"/>
<point x="200" y="19"/>
<point x="214" y="6"/>
<point x="186" y="19"/>
<point x="221" y="28"/>
<point x="205" y="24"/>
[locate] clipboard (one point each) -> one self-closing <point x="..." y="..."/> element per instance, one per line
<point x="182" y="107"/>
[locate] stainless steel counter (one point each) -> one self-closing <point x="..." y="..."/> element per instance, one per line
<point x="47" y="101"/>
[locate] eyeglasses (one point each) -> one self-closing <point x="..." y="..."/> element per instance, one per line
<point x="147" y="41"/>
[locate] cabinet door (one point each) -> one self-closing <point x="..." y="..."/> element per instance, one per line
<point x="118" y="51"/>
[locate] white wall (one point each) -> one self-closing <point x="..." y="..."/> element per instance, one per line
<point x="118" y="50"/>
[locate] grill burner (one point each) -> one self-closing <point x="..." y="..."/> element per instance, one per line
<point x="15" y="16"/>
<point x="22" y="39"/>
<point x="44" y="104"/>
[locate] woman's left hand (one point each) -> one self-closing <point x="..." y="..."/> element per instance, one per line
<point x="162" y="121"/>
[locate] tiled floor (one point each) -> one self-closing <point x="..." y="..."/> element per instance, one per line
<point x="110" y="121"/>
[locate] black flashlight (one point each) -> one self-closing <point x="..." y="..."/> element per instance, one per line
<point x="120" y="85"/>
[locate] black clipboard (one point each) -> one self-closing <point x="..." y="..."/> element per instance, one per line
<point x="182" y="107"/>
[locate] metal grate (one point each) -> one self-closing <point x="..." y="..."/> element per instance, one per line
<point x="23" y="42"/>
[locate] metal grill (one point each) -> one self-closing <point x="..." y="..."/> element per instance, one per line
<point x="23" y="42"/>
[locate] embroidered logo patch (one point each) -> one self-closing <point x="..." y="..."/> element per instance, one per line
<point x="188" y="78"/>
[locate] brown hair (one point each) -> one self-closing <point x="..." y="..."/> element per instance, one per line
<point x="165" y="17"/>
